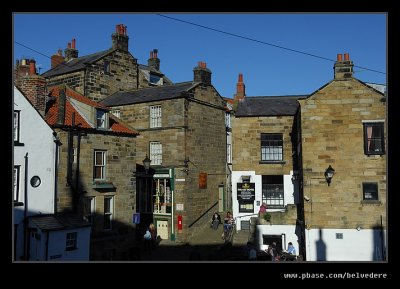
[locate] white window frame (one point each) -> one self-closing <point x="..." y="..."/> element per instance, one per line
<point x="16" y="126"/>
<point x="116" y="112"/>
<point x="89" y="213"/>
<point x="156" y="153"/>
<point x="155" y="116"/>
<point x="102" y="166"/>
<point x="110" y="213"/>
<point x="16" y="182"/>
<point x="71" y="240"/>
<point x="101" y="119"/>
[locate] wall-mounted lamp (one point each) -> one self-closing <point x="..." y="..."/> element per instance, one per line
<point x="146" y="163"/>
<point x="358" y="228"/>
<point x="329" y="174"/>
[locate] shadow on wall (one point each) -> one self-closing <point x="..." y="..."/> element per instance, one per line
<point x="321" y="248"/>
<point x="379" y="252"/>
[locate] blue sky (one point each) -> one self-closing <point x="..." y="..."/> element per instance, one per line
<point x="267" y="70"/>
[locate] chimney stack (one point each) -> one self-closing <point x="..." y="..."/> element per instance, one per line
<point x="71" y="52"/>
<point x="240" y="88"/>
<point x="57" y="59"/>
<point x="120" y="38"/>
<point x="154" y="61"/>
<point x="343" y="69"/>
<point x="32" y="86"/>
<point x="61" y="105"/>
<point x="202" y="73"/>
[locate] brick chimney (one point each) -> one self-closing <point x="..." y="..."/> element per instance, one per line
<point x="33" y="86"/>
<point x="61" y="105"/>
<point x="71" y="52"/>
<point x="343" y="69"/>
<point x="202" y="73"/>
<point x="154" y="61"/>
<point x="57" y="59"/>
<point x="120" y="38"/>
<point x="240" y="88"/>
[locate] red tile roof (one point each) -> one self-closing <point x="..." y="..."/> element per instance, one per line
<point x="116" y="125"/>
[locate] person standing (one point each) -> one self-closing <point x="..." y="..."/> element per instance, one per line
<point x="216" y="220"/>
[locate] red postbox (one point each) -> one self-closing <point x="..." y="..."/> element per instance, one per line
<point x="179" y="222"/>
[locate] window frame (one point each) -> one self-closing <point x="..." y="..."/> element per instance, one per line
<point x="108" y="215"/>
<point x="16" y="182"/>
<point x="89" y="215"/>
<point x="71" y="241"/>
<point x="103" y="165"/>
<point x="155" y="116"/>
<point x="116" y="113"/>
<point x="16" y="126"/>
<point x="155" y="156"/>
<point x="368" y="140"/>
<point x="270" y="181"/>
<point x="101" y="115"/>
<point x="106" y="67"/>
<point x="271" y="145"/>
<point x="364" y="191"/>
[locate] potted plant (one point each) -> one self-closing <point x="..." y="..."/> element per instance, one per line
<point x="267" y="217"/>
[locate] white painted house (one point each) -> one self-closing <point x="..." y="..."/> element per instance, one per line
<point x="35" y="163"/>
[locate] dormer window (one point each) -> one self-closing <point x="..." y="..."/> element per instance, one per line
<point x="101" y="119"/>
<point x="155" y="79"/>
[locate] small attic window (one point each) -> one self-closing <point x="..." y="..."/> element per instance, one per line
<point x="101" y="118"/>
<point x="107" y="67"/>
<point x="155" y="79"/>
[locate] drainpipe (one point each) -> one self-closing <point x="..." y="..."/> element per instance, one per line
<point x="26" y="208"/>
<point x="77" y="169"/>
<point x="58" y="143"/>
<point x="172" y="204"/>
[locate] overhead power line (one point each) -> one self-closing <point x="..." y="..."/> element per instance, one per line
<point x="262" y="42"/>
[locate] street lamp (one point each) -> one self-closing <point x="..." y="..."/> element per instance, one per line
<point x="146" y="163"/>
<point x="329" y="174"/>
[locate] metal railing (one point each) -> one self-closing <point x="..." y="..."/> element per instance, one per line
<point x="202" y="215"/>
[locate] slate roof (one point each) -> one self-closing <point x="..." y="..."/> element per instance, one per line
<point x="268" y="105"/>
<point x="115" y="124"/>
<point x="149" y="94"/>
<point x="58" y="222"/>
<point x="76" y="64"/>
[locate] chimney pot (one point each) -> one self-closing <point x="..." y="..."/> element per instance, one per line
<point x="346" y="57"/>
<point x="73" y="43"/>
<point x="240" y="77"/>
<point x="339" y="57"/>
<point x="69" y="45"/>
<point x="32" y="67"/>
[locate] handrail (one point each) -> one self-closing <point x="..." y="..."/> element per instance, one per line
<point x="202" y="215"/>
<point x="246" y="215"/>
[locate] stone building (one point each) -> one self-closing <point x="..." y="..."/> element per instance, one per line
<point x="96" y="165"/>
<point x="105" y="72"/>
<point x="343" y="127"/>
<point x="263" y="131"/>
<point x="182" y="131"/>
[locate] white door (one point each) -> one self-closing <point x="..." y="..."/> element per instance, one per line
<point x="162" y="229"/>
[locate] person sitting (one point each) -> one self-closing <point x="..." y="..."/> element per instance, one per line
<point x="228" y="223"/>
<point x="291" y="249"/>
<point x="216" y="220"/>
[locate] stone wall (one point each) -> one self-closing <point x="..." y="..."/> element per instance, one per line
<point x="332" y="134"/>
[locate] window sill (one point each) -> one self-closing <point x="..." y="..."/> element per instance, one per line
<point x="371" y="202"/>
<point x="18" y="204"/>
<point x="18" y="144"/>
<point x="71" y="249"/>
<point x="272" y="162"/>
<point x="103" y="185"/>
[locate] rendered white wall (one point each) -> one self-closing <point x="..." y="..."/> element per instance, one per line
<point x="287" y="231"/>
<point x="363" y="245"/>
<point x="57" y="243"/>
<point x="38" y="141"/>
